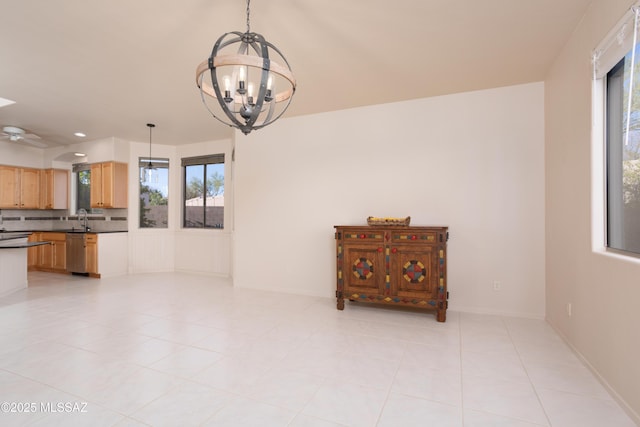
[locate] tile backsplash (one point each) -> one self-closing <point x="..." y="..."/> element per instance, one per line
<point x="27" y="220"/>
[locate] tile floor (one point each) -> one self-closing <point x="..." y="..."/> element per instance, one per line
<point x="183" y="350"/>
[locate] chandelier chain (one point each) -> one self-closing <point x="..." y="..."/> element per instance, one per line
<point x="248" y="21"/>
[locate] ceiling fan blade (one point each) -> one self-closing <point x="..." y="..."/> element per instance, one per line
<point x="34" y="143"/>
<point x="30" y="136"/>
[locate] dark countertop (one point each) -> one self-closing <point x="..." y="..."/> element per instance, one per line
<point x="10" y="235"/>
<point x="62" y="230"/>
<point x="79" y="230"/>
<point x="7" y="244"/>
<point x="17" y="240"/>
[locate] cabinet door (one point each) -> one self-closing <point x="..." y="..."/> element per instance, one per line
<point x="60" y="189"/>
<point x="32" y="252"/>
<point x="59" y="255"/>
<point x="107" y="185"/>
<point x="46" y="255"/>
<point x="120" y="185"/>
<point x="363" y="269"/>
<point x="414" y="270"/>
<point x="29" y="188"/>
<point x="96" y="186"/>
<point x="92" y="254"/>
<point x="92" y="258"/>
<point x="9" y="188"/>
<point x="54" y="189"/>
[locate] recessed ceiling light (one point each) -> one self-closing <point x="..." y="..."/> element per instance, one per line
<point x="79" y="154"/>
<point x="4" y="102"/>
<point x="80" y="134"/>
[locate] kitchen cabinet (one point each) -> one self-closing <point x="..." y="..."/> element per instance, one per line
<point x="53" y="257"/>
<point x="33" y="252"/>
<point x="109" y="185"/>
<point x="110" y="259"/>
<point x="92" y="254"/>
<point x="19" y="188"/>
<point x="393" y="265"/>
<point x="54" y="189"/>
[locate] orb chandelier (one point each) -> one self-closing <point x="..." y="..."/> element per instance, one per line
<point x="250" y="79"/>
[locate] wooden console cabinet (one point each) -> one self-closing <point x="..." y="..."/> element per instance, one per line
<point x="395" y="265"/>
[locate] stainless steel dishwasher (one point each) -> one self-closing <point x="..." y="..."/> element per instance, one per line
<point x="76" y="253"/>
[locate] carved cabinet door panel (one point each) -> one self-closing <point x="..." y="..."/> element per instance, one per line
<point x="363" y="269"/>
<point x="414" y="270"/>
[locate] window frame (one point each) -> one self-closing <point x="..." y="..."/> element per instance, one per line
<point x="158" y="163"/>
<point x="211" y="159"/>
<point x="76" y="169"/>
<point x="608" y="56"/>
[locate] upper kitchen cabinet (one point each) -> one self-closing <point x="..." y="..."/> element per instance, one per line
<point x="109" y="185"/>
<point x="19" y="188"/>
<point x="54" y="189"/>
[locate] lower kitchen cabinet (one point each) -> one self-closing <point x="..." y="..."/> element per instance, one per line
<point x="33" y="253"/>
<point x="111" y="259"/>
<point x="92" y="253"/>
<point x="53" y="257"/>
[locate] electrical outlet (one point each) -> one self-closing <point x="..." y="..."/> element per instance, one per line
<point x="497" y="285"/>
<point x="569" y="309"/>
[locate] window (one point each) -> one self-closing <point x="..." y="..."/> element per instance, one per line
<point x="203" y="189"/>
<point x="83" y="186"/>
<point x="154" y="192"/>
<point x="617" y="64"/>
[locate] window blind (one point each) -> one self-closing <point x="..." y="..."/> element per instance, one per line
<point x="203" y="160"/>
<point x="77" y="167"/>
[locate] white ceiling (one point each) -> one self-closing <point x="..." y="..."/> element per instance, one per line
<point x="109" y="67"/>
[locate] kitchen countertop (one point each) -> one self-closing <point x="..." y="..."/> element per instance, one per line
<point x="18" y="241"/>
<point x="8" y="244"/>
<point x="62" y="230"/>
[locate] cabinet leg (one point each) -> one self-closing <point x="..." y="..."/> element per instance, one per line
<point x="340" y="304"/>
<point x="441" y="316"/>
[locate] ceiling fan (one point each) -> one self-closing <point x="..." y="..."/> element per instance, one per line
<point x="16" y="134"/>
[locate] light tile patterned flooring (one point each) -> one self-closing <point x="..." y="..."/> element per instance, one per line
<point x="183" y="350"/>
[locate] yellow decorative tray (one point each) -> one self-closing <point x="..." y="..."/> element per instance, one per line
<point x="373" y="220"/>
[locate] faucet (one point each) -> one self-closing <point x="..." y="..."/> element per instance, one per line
<point x="84" y="223"/>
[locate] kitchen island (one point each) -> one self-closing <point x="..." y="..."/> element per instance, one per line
<point x="13" y="261"/>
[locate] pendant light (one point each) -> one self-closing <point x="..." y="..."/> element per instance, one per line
<point x="249" y="78"/>
<point x="147" y="173"/>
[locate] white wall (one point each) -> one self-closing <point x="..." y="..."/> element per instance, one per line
<point x="471" y="161"/>
<point x="15" y="154"/>
<point x="603" y="290"/>
<point x="174" y="248"/>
